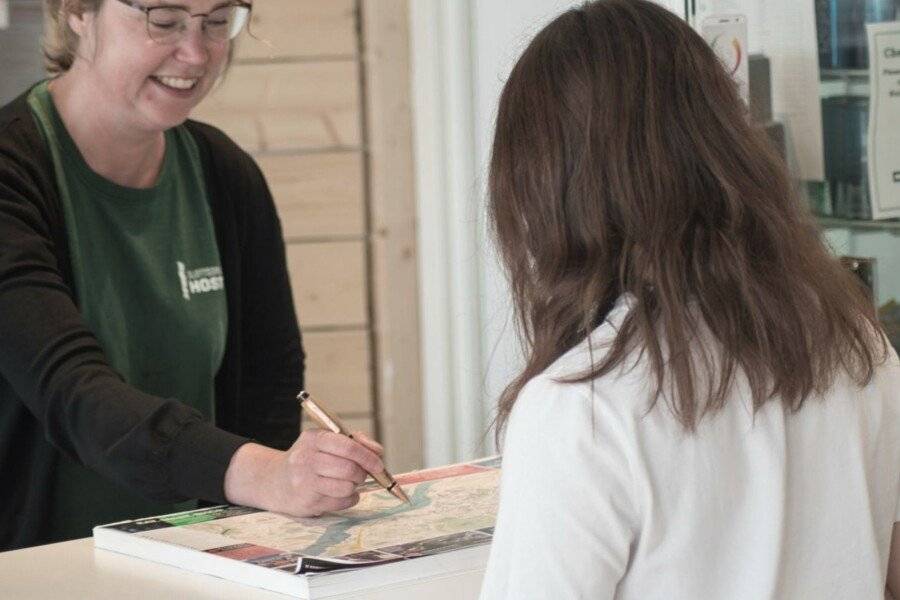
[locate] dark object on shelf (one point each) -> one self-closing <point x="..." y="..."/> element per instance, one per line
<point x="824" y="35"/>
<point x="760" y="85"/>
<point x="819" y="198"/>
<point x="864" y="268"/>
<point x="889" y="314"/>
<point x="760" y="76"/>
<point x="775" y="131"/>
<point x="841" y="30"/>
<point x="845" y="126"/>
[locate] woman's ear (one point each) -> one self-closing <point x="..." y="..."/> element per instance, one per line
<point x="77" y="16"/>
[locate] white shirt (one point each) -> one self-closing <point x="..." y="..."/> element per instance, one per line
<point x="599" y="499"/>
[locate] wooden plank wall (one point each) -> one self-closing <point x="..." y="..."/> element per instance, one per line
<point x="295" y="104"/>
<point x="392" y="206"/>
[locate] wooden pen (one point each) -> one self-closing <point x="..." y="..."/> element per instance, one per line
<point x="330" y="421"/>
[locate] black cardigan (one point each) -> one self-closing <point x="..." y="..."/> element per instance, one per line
<point x="68" y="398"/>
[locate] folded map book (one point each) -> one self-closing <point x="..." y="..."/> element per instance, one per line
<point x="378" y="543"/>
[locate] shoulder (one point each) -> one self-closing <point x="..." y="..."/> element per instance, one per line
<point x="220" y="153"/>
<point x="601" y="412"/>
<point x="887" y="377"/>
<point x="234" y="180"/>
<point x="26" y="171"/>
<point x="591" y="414"/>
<point x="617" y="390"/>
<point x="574" y="445"/>
<point x="12" y="112"/>
<point x="20" y="139"/>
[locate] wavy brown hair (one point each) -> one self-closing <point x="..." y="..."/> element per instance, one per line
<point x="624" y="161"/>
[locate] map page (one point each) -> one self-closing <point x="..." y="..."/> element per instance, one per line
<point x="451" y="508"/>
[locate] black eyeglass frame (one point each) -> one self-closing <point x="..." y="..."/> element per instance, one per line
<point x="148" y="9"/>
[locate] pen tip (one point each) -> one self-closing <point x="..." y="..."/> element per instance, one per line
<point x="401" y="495"/>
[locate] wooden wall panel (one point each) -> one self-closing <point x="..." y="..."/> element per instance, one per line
<point x="292" y="106"/>
<point x="297" y="108"/>
<point x="392" y="207"/>
<point x="329" y="283"/>
<point x="300" y="28"/>
<point x="317" y="195"/>
<point x="339" y="370"/>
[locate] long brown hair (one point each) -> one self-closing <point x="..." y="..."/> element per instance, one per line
<point x="624" y="161"/>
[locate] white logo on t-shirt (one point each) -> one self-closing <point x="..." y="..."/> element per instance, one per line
<point x="199" y="281"/>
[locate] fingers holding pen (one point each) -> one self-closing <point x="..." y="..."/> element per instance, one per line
<point x="318" y="478"/>
<point x="327" y="504"/>
<point x="328" y="487"/>
<point x="331" y="465"/>
<point x="337" y="468"/>
<point x="350" y="449"/>
<point x="369" y="443"/>
<point x="318" y="474"/>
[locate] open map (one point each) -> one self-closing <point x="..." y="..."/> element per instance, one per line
<point x="453" y="507"/>
<point x="452" y="501"/>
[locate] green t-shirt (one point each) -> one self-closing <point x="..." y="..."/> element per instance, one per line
<point x="149" y="285"/>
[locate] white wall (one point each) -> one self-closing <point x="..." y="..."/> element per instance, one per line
<point x="462" y="52"/>
<point x="501" y="31"/>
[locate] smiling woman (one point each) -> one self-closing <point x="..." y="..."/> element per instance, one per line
<point x="147" y="65"/>
<point x="148" y="330"/>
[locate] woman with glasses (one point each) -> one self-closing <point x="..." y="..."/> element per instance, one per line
<point x="709" y="409"/>
<point x="147" y="332"/>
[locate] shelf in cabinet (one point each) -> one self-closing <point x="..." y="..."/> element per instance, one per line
<point x="835" y="223"/>
<point x="853" y="74"/>
<point x="843" y="82"/>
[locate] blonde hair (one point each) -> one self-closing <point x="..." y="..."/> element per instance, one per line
<point x="60" y="42"/>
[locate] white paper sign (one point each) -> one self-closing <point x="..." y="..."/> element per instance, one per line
<point x="884" y="119"/>
<point x="4" y="14"/>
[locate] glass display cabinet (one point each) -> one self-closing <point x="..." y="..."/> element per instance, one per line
<point x="843" y="201"/>
<point x="807" y="56"/>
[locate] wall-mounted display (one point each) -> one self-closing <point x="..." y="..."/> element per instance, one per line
<point x="859" y="87"/>
<point x="884" y="125"/>
<point x="727" y="35"/>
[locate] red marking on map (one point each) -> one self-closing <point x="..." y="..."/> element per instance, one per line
<point x="244" y="551"/>
<point x="441" y="473"/>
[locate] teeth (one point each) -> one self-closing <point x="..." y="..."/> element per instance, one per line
<point x="177" y="82"/>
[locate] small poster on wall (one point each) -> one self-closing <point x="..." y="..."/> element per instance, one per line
<point x="4" y="14"/>
<point x="884" y="119"/>
<point x="727" y="35"/>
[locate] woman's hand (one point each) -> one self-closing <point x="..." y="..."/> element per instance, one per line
<point x="318" y="474"/>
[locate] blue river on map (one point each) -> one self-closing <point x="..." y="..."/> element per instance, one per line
<point x="339" y="532"/>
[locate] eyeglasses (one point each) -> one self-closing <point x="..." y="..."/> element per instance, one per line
<point x="168" y="24"/>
